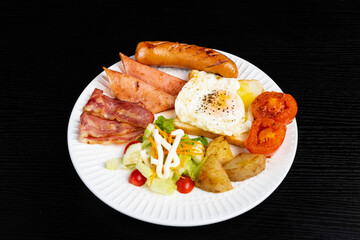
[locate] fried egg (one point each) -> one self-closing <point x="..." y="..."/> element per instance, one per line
<point x="212" y="103"/>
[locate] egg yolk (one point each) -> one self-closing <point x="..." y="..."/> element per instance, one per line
<point x="245" y="94"/>
<point x="215" y="102"/>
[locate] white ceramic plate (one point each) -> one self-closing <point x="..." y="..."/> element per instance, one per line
<point x="193" y="209"/>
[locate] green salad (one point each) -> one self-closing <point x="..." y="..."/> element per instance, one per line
<point x="166" y="159"/>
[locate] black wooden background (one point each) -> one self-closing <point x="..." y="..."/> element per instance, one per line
<point x="50" y="51"/>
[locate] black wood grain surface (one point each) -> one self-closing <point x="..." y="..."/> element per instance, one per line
<point x="51" y="51"/>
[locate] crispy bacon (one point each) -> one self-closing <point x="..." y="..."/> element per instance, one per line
<point x="96" y="127"/>
<point x="132" y="136"/>
<point x="122" y="111"/>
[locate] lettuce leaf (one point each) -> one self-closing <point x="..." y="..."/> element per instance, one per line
<point x="164" y="124"/>
<point x="203" y="140"/>
<point x="196" y="171"/>
<point x="113" y="163"/>
<point x="162" y="186"/>
<point x="191" y="168"/>
<point x="144" y="169"/>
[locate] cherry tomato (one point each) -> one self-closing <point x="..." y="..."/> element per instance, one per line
<point x="265" y="136"/>
<point x="136" y="178"/>
<point x="129" y="144"/>
<point x="281" y="107"/>
<point x="185" y="184"/>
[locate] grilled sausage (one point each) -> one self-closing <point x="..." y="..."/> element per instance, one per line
<point x="171" y="54"/>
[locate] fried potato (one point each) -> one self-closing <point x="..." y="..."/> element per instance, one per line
<point x="244" y="166"/>
<point x="212" y="177"/>
<point x="221" y="149"/>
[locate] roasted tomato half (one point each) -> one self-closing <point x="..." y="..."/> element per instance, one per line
<point x="265" y="137"/>
<point x="281" y="107"/>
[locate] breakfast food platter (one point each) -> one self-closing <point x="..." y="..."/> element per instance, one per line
<point x="196" y="208"/>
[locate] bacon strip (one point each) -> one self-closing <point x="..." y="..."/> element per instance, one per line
<point x="97" y="127"/>
<point x="132" y="136"/>
<point x="105" y="107"/>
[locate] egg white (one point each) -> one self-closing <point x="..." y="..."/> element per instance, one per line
<point x="211" y="103"/>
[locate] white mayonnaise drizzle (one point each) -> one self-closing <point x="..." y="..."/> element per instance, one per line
<point x="172" y="159"/>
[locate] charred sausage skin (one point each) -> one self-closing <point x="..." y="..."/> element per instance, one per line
<point x="180" y="55"/>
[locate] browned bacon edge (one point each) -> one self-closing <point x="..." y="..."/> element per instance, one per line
<point x="97" y="127"/>
<point x="113" y="109"/>
<point x="132" y="136"/>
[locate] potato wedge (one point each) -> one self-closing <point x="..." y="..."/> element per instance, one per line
<point x="221" y="149"/>
<point x="244" y="166"/>
<point x="212" y="177"/>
